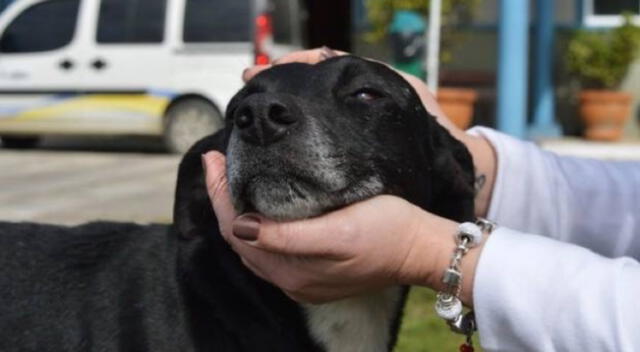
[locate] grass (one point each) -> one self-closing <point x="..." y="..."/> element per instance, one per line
<point x="422" y="330"/>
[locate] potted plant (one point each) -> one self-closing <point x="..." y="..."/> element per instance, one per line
<point x="599" y="61"/>
<point x="384" y="17"/>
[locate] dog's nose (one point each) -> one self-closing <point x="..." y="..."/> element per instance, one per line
<point x="263" y="121"/>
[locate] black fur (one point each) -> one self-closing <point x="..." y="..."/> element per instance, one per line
<point x="126" y="287"/>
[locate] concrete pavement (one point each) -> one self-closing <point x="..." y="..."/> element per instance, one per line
<point x="62" y="184"/>
<point x="71" y="187"/>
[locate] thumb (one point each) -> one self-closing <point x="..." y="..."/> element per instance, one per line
<point x="218" y="188"/>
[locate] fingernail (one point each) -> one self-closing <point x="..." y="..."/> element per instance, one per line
<point x="246" y="227"/>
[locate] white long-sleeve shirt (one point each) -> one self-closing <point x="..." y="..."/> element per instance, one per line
<point x="562" y="271"/>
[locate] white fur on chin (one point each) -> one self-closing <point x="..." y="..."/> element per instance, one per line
<point x="358" y="324"/>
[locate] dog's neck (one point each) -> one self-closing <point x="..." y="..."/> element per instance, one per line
<point x="359" y="324"/>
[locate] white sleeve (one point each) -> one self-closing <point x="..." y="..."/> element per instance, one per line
<point x="540" y="293"/>
<point x="532" y="293"/>
<point x="592" y="203"/>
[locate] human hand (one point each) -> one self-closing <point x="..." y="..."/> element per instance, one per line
<point x="364" y="247"/>
<point x="483" y="154"/>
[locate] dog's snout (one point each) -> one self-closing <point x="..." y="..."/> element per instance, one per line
<point x="263" y="120"/>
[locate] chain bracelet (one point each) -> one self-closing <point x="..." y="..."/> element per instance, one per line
<point x="448" y="305"/>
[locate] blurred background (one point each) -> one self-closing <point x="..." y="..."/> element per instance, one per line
<point x="98" y="98"/>
<point x="139" y="80"/>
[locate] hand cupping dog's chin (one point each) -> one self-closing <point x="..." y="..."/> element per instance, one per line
<point x="284" y="200"/>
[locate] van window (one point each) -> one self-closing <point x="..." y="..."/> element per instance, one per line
<point x="217" y="21"/>
<point x="131" y="21"/>
<point x="44" y="26"/>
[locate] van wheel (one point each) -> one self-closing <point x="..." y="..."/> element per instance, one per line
<point x="187" y="122"/>
<point x="20" y="142"/>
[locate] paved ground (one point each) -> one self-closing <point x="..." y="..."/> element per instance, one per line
<point x="59" y="184"/>
<point x="71" y="181"/>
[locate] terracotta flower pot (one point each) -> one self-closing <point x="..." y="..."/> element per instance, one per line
<point x="457" y="104"/>
<point x="604" y="113"/>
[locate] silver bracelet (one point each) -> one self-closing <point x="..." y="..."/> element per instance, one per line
<point x="448" y="305"/>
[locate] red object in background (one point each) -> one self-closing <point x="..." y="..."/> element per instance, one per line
<point x="263" y="39"/>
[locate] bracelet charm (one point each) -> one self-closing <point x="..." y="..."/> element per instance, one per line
<point x="448" y="306"/>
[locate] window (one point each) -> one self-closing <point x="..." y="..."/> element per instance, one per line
<point x="44" y="26"/>
<point x="131" y="21"/>
<point x="608" y="12"/>
<point x="217" y="21"/>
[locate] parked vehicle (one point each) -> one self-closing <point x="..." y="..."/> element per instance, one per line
<point x="128" y="67"/>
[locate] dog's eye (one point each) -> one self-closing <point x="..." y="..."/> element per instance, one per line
<point x="366" y="95"/>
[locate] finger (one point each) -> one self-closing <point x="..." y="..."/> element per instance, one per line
<point x="218" y="189"/>
<point x="304" y="238"/>
<point x="311" y="56"/>
<point x="250" y="72"/>
<point x="255" y="269"/>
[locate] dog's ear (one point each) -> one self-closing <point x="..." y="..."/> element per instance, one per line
<point x="453" y="174"/>
<point x="192" y="211"/>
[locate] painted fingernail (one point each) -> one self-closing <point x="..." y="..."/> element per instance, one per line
<point x="246" y="227"/>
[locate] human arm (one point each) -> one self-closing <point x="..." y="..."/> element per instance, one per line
<point x="592" y="203"/>
<point x="364" y="247"/>
<point x="535" y="293"/>
<point x="530" y="293"/>
<point x="309" y="269"/>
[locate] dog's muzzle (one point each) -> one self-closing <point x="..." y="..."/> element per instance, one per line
<point x="263" y="119"/>
<point x="282" y="163"/>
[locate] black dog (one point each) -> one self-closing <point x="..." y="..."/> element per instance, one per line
<point x="300" y="140"/>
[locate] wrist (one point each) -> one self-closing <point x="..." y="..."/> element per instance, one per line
<point x="431" y="255"/>
<point x="430" y="251"/>
<point x="485" y="164"/>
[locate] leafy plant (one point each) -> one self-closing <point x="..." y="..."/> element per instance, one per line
<point x="601" y="60"/>
<point x="380" y="14"/>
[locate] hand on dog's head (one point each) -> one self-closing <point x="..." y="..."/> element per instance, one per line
<point x="302" y="140"/>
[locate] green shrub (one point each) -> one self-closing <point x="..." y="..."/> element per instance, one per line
<point x="601" y="60"/>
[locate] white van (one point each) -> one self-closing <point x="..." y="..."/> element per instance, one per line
<point x="131" y="67"/>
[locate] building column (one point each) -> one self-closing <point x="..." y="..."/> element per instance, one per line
<point x="513" y="67"/>
<point x="544" y="124"/>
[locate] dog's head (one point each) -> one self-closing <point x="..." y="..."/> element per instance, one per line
<point x="303" y="139"/>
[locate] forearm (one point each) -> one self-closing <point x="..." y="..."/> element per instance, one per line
<point x="533" y="293"/>
<point x="485" y="163"/>
<point x="436" y="234"/>
<point x="592" y="203"/>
